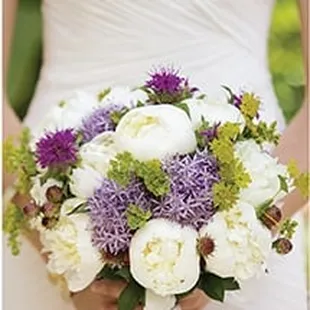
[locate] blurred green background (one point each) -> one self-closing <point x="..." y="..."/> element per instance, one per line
<point x="285" y="56"/>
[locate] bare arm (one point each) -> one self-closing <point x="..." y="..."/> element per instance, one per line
<point x="295" y="140"/>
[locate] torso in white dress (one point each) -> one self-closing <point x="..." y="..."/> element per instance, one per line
<point x="97" y="43"/>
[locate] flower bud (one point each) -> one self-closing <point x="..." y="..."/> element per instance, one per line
<point x="122" y="259"/>
<point x="206" y="246"/>
<point x="282" y="246"/>
<point x="54" y="194"/>
<point x="49" y="209"/>
<point x="271" y="217"/>
<point x="31" y="209"/>
<point x="49" y="222"/>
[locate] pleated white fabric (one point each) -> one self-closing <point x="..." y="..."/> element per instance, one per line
<point x="92" y="44"/>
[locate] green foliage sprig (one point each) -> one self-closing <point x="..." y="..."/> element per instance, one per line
<point x="288" y="228"/>
<point x="124" y="167"/>
<point x="19" y="160"/>
<point x="13" y="222"/>
<point x="301" y="180"/>
<point x="261" y="132"/>
<point x="233" y="174"/>
<point x="137" y="217"/>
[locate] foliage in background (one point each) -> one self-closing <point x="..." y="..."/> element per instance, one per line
<point x="25" y="60"/>
<point x="285" y="56"/>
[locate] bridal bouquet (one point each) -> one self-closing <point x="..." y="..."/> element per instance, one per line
<point x="155" y="185"/>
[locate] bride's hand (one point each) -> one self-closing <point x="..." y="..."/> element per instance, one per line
<point x="197" y="300"/>
<point x="101" y="295"/>
<point x="107" y="293"/>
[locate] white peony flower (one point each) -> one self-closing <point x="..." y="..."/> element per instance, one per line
<point x="124" y="96"/>
<point x="242" y="244"/>
<point x="38" y="191"/>
<point x="66" y="114"/>
<point x="264" y="170"/>
<point x="70" y="251"/>
<point x="95" y="157"/>
<point x="163" y="257"/>
<point x="98" y="152"/>
<point x="213" y="113"/>
<point x="155" y="302"/>
<point x="155" y="132"/>
<point x="84" y="180"/>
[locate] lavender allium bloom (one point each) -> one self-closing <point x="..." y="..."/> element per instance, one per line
<point x="57" y="149"/>
<point x="190" y="201"/>
<point x="107" y="213"/>
<point x="98" y="122"/>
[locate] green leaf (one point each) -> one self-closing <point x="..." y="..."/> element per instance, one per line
<point x="124" y="273"/>
<point x="215" y="286"/>
<point x="263" y="207"/>
<point x="230" y="284"/>
<point x="103" y="94"/>
<point x="231" y="94"/>
<point x="131" y="296"/>
<point x="283" y="183"/>
<point x="116" y="116"/>
<point x="140" y="104"/>
<point x="183" y="106"/>
<point x="110" y="273"/>
<point x="212" y="285"/>
<point x="202" y="96"/>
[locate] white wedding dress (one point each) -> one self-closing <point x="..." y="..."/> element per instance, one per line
<point x="91" y="44"/>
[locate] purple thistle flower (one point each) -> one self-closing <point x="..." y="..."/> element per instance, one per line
<point x="98" y="122"/>
<point x="57" y="149"/>
<point x="237" y="100"/>
<point x="190" y="201"/>
<point x="210" y="133"/>
<point x="166" y="80"/>
<point x="108" y="205"/>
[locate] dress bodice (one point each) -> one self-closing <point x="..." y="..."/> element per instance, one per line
<point x="97" y="43"/>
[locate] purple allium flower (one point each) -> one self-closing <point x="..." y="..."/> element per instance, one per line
<point x="190" y="201"/>
<point x="111" y="232"/>
<point x="98" y="122"/>
<point x="57" y="149"/>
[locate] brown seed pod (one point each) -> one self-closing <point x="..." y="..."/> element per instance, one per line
<point x="54" y="194"/>
<point x="206" y="246"/>
<point x="31" y="209"/>
<point x="282" y="246"/>
<point x="271" y="217"/>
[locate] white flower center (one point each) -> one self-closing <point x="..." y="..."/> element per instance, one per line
<point x="139" y="123"/>
<point x="161" y="258"/>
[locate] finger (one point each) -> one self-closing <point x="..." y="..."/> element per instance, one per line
<point x="108" y="288"/>
<point x="109" y="307"/>
<point x="197" y="300"/>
